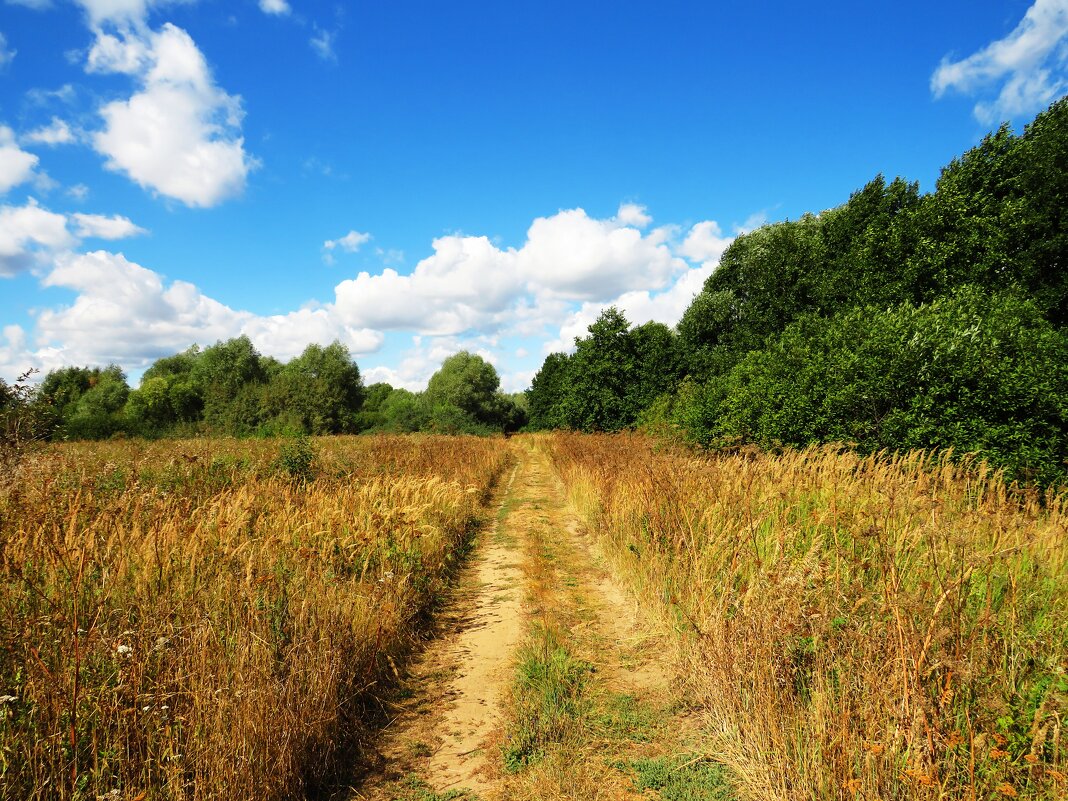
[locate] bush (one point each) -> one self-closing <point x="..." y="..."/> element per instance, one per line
<point x="976" y="372"/>
<point x="296" y="458"/>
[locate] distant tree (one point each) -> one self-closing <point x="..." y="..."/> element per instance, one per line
<point x="230" y="376"/>
<point x="321" y="390"/>
<point x="370" y="416"/>
<point x="601" y="374"/>
<point x="464" y="396"/>
<point x="404" y="412"/>
<point x="97" y="413"/>
<point x="547" y="396"/>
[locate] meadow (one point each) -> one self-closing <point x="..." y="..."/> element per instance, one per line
<point x="194" y="619"/>
<point x="851" y="627"/>
<point x="205" y="618"/>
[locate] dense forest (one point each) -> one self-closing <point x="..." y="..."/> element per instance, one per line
<point x="898" y="320"/>
<point x="231" y="389"/>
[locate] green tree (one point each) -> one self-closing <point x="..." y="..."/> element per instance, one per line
<point x="320" y="391"/>
<point x="601" y="373"/>
<point x="464" y="396"/>
<point x="547" y="396"/>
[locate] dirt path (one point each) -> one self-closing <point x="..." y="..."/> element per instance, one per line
<point x="534" y="571"/>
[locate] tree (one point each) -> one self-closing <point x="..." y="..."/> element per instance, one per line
<point x="601" y="374"/>
<point x="320" y="391"/>
<point x="463" y="396"/>
<point x="547" y="395"/>
<point x="230" y="377"/>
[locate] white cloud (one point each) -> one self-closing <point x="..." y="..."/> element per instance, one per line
<point x="119" y="12"/>
<point x="633" y="214"/>
<point x="323" y="44"/>
<point x="6" y="54"/>
<point x="37" y="5"/>
<point x="180" y="134"/>
<point x="125" y="54"/>
<point x="574" y="256"/>
<point x="459" y="287"/>
<point x="100" y="227"/>
<point x="27" y="232"/>
<point x="126" y="314"/>
<point x="78" y="192"/>
<point x="1030" y="60"/>
<point x="58" y="132"/>
<point x="468" y="294"/>
<point x="274" y="7"/>
<point x="34" y="236"/>
<point x="16" y="165"/>
<point x="705" y="242"/>
<point x="350" y="243"/>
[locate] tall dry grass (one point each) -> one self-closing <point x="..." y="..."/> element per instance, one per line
<point x="186" y="620"/>
<point x="874" y="628"/>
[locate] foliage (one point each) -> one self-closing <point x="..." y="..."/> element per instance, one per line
<point x="974" y="372"/>
<point x="464" y="397"/>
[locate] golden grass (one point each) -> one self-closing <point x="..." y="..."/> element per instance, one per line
<point x="870" y="628"/>
<point x="184" y="620"/>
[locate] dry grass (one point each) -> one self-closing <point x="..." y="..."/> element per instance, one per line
<point x="856" y="627"/>
<point x="188" y="621"/>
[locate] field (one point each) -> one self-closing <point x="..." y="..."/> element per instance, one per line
<point x="617" y="617"/>
<point x="184" y="619"/>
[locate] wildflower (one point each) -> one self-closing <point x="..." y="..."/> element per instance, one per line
<point x="1007" y="790"/>
<point x="124" y="650"/>
<point x="1031" y="758"/>
<point x="852" y="785"/>
<point x="997" y="753"/>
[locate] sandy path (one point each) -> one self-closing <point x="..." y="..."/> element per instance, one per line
<point x="456" y="687"/>
<point x="447" y="733"/>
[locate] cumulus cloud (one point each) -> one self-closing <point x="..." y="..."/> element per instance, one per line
<point x="277" y="7"/>
<point x="27" y="232"/>
<point x="58" y="132"/>
<point x="16" y="165"/>
<point x="705" y="242"/>
<point x="633" y="214"/>
<point x="577" y="257"/>
<point x="119" y="12"/>
<point x="1029" y="64"/>
<point x="459" y="287"/>
<point x="97" y="226"/>
<point x="350" y="243"/>
<point x="468" y="294"/>
<point x="32" y="236"/>
<point x="127" y="314"/>
<point x="180" y="135"/>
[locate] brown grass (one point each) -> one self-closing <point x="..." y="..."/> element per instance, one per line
<point x="869" y="628"/>
<point x="187" y="621"/>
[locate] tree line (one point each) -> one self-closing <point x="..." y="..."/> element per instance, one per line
<point x="231" y="389"/>
<point x="897" y="320"/>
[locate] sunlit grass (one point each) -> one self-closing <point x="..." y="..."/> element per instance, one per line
<point x="196" y="619"/>
<point x="854" y="627"/>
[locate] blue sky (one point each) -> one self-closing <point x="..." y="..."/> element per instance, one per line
<point x="415" y="178"/>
